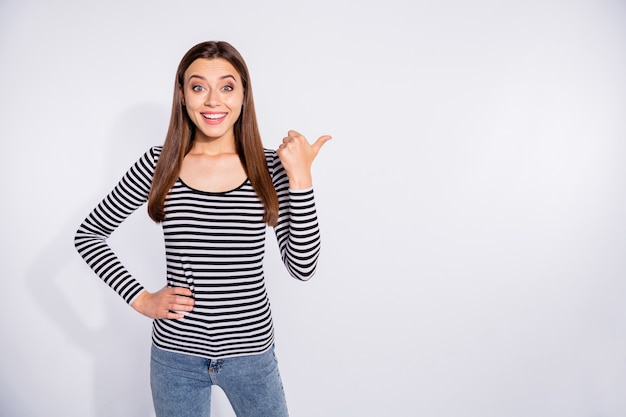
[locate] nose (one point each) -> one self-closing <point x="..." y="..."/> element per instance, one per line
<point x="212" y="98"/>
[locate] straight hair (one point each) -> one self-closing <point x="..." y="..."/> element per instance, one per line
<point x="181" y="130"/>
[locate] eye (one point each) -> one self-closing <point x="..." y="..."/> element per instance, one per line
<point x="228" y="88"/>
<point x="197" y="88"/>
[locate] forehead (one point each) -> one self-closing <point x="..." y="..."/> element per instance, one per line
<point x="213" y="68"/>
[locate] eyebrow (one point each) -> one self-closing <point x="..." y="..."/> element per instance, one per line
<point x="223" y="77"/>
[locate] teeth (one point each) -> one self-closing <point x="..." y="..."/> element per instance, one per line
<point x="214" y="116"/>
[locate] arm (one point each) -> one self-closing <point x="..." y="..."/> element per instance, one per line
<point x="91" y="237"/>
<point x="91" y="243"/>
<point x="297" y="230"/>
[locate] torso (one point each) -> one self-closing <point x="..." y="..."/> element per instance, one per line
<point x="214" y="245"/>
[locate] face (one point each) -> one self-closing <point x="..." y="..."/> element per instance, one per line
<point x="213" y="95"/>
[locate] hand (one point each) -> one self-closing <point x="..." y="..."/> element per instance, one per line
<point x="167" y="303"/>
<point x="297" y="155"/>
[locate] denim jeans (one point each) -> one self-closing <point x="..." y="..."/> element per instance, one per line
<point x="181" y="384"/>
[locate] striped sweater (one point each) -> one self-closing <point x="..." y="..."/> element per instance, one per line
<point x="214" y="245"/>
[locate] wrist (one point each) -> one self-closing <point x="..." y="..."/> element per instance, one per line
<point x="300" y="183"/>
<point x="139" y="301"/>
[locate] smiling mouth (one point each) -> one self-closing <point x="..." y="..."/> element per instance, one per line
<point x="213" y="116"/>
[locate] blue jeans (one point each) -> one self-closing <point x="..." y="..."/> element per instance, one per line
<point x="181" y="384"/>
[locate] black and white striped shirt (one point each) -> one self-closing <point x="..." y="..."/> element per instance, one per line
<point x="214" y="245"/>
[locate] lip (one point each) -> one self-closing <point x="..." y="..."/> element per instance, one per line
<point x="214" y="120"/>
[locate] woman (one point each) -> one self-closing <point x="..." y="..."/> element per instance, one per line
<point x="214" y="188"/>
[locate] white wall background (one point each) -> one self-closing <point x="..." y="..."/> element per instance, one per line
<point x="472" y="201"/>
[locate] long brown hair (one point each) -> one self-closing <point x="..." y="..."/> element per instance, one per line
<point x="180" y="134"/>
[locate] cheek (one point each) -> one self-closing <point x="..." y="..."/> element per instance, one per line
<point x="194" y="102"/>
<point x="189" y="111"/>
<point x="236" y="106"/>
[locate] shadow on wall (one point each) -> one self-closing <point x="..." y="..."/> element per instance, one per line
<point x="117" y="346"/>
<point x="120" y="345"/>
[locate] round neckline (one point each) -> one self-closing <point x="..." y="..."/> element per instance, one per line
<point x="212" y="192"/>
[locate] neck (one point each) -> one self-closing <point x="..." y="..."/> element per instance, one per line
<point x="213" y="146"/>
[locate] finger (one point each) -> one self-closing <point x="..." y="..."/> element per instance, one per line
<point x="174" y="315"/>
<point x="320" y="142"/>
<point x="292" y="133"/>
<point x="184" y="301"/>
<point x="180" y="309"/>
<point x="181" y="291"/>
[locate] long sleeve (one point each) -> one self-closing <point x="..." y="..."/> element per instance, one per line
<point x="297" y="231"/>
<point x="91" y="237"/>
